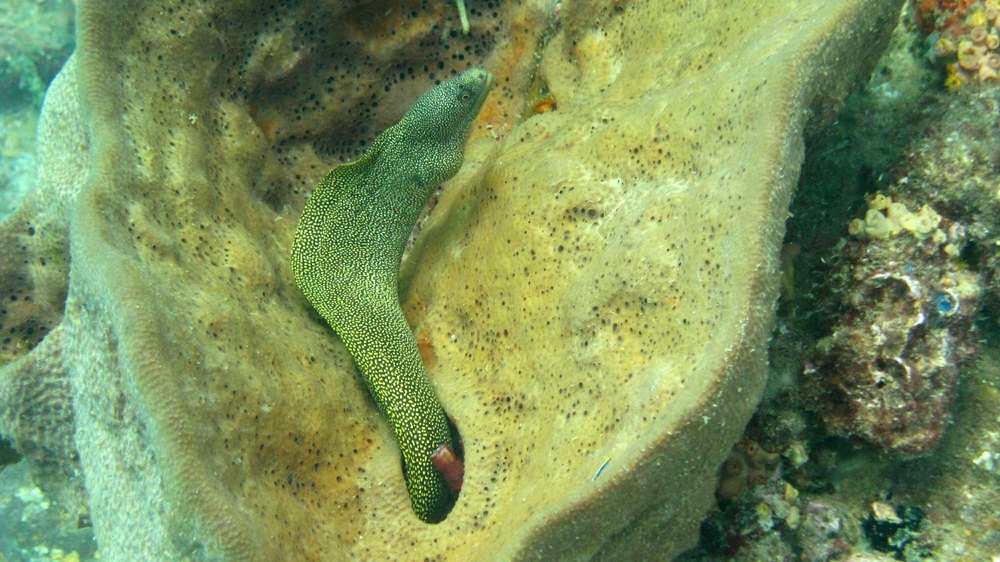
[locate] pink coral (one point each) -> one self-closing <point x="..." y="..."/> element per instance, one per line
<point x="973" y="25"/>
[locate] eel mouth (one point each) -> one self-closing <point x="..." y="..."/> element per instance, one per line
<point x="486" y="79"/>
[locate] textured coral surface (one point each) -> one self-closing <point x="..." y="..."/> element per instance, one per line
<point x="888" y="369"/>
<point x="597" y="284"/>
<point x="875" y="330"/>
<point x="964" y="37"/>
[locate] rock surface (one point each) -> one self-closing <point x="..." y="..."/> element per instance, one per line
<point x="598" y="284"/>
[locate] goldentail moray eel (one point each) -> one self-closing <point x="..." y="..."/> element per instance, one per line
<point x="346" y="257"/>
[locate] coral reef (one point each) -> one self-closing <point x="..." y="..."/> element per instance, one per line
<point x="896" y="530"/>
<point x="953" y="167"/>
<point x="599" y="283"/>
<point x="887" y="370"/>
<point x="747" y="465"/>
<point x="949" y="170"/>
<point x="822" y="534"/>
<point x="771" y="509"/>
<point x="964" y="38"/>
<point x="956" y="487"/>
<point x="933" y="243"/>
<point x="771" y="521"/>
<point x="35" y="527"/>
<point x="910" y="282"/>
<point x="36" y="38"/>
<point x="911" y="169"/>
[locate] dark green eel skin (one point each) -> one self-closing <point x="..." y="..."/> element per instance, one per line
<point x="346" y="258"/>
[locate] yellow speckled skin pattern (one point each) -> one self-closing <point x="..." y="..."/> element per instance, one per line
<point x="346" y="257"/>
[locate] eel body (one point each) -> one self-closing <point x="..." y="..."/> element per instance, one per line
<point x="346" y="257"/>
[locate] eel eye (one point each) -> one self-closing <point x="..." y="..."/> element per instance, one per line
<point x="465" y="95"/>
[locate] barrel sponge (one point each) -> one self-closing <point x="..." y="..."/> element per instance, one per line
<point x="595" y="287"/>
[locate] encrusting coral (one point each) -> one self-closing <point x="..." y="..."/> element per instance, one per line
<point x="965" y="38"/>
<point x="887" y="370"/>
<point x="597" y="285"/>
<point x="886" y="218"/>
<point x="925" y="261"/>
